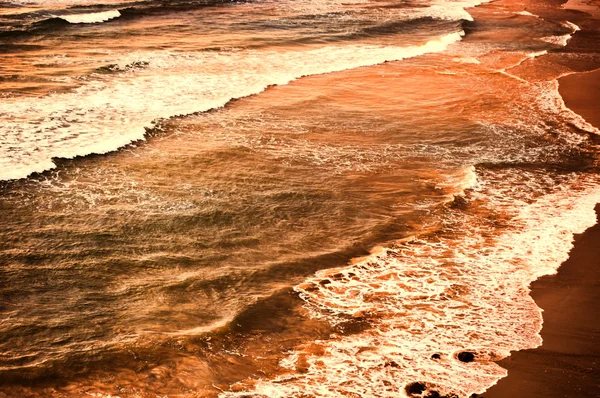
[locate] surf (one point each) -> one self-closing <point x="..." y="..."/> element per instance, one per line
<point x="90" y="18"/>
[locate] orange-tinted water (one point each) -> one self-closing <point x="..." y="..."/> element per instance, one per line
<point x="216" y="256"/>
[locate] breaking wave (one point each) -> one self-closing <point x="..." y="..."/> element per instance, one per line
<point x="95" y="17"/>
<point x="111" y="111"/>
<point x="441" y="308"/>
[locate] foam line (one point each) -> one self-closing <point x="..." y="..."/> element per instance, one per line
<point x="113" y="110"/>
<point x="431" y="299"/>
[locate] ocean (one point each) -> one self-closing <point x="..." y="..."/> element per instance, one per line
<point x="282" y="198"/>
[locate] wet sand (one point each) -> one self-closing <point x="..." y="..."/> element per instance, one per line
<point x="581" y="93"/>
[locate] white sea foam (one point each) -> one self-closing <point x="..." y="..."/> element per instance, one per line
<point x="558" y="40"/>
<point x="467" y="60"/>
<point x="438" y="9"/>
<point x="95" y="17"/>
<point x="450" y="10"/>
<point x="436" y="296"/>
<point x="551" y="101"/>
<point x="572" y="26"/>
<point x="537" y="54"/>
<point x="451" y="13"/>
<point x="562" y="40"/>
<point x="456" y="184"/>
<point x="527" y="14"/>
<point x="528" y="57"/>
<point x="110" y="111"/>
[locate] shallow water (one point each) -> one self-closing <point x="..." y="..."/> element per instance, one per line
<point x="281" y="198"/>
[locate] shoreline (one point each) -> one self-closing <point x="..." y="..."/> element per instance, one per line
<point x="580" y="92"/>
<point x="567" y="364"/>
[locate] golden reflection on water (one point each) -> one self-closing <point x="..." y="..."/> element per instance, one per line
<point x="360" y="141"/>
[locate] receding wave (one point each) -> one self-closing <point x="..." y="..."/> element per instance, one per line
<point x="435" y="304"/>
<point x="112" y="111"/>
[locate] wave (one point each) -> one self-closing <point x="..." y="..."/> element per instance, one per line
<point x="71" y="3"/>
<point x="41" y="26"/>
<point x="111" y="111"/>
<point x="65" y="12"/>
<point x="442" y="309"/>
<point x="450" y="11"/>
<point x="56" y="22"/>
<point x="85" y="12"/>
<point x="94" y="17"/>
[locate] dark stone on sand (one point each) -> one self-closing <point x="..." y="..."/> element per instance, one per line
<point x="436" y="356"/>
<point x="466" y="356"/>
<point x="415" y="388"/>
<point x="392" y="364"/>
<point x="325" y="282"/>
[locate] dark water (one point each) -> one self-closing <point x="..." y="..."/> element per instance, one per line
<point x="229" y="251"/>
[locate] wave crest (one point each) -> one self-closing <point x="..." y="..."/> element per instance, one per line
<point x="94" y="17"/>
<point x="113" y="110"/>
